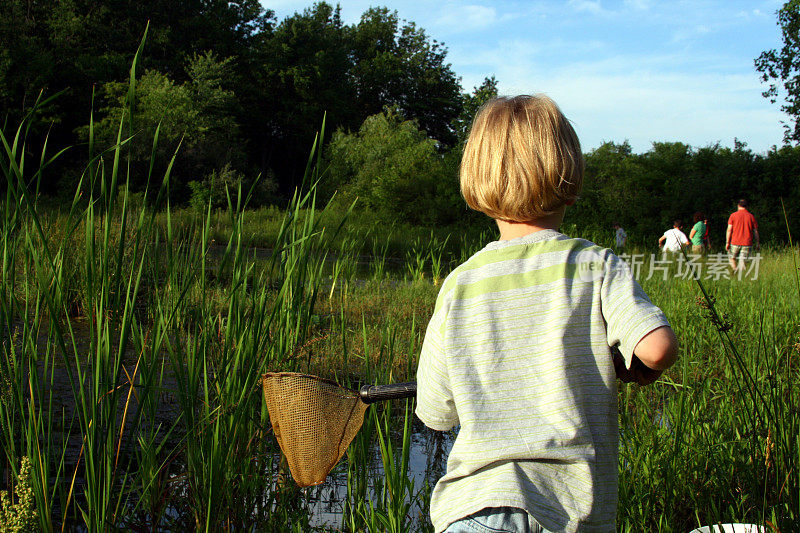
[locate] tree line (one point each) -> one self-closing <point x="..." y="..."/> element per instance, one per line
<point x="246" y="93"/>
<point x="243" y="95"/>
<point x="645" y="192"/>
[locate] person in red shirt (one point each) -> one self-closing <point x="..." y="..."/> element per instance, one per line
<point x="741" y="236"/>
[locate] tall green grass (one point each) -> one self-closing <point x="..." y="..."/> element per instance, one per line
<point x="716" y="440"/>
<point x="133" y="385"/>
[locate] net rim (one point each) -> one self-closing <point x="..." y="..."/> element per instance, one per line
<point x="267" y="375"/>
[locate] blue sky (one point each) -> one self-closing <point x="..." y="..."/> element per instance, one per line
<point x="636" y="70"/>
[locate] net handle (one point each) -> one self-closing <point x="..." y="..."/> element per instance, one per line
<point x="378" y="393"/>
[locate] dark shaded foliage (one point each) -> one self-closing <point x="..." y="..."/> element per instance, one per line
<point x="280" y="80"/>
<point x="645" y="192"/>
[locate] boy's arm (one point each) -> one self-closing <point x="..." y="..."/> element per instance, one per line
<point x="635" y="327"/>
<point x="658" y="349"/>
<point x="435" y="403"/>
<point x="656" y="352"/>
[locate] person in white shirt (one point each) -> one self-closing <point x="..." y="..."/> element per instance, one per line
<point x="674" y="239"/>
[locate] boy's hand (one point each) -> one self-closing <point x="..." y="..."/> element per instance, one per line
<point x="641" y="374"/>
<point x="622" y="372"/>
<point x="637" y="373"/>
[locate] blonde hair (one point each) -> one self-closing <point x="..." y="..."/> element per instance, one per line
<point x="522" y="160"/>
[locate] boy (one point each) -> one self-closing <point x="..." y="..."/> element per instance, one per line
<point x="519" y="350"/>
<point x="620" y="237"/>
<point x="674" y="239"/>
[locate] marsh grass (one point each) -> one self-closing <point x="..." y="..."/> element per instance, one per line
<point x="702" y="445"/>
<point x="693" y="448"/>
<point x="162" y="424"/>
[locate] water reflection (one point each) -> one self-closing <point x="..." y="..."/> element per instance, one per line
<point x="427" y="462"/>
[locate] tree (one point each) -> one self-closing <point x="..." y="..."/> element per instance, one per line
<point x="775" y="187"/>
<point x="285" y="79"/>
<point x="199" y="114"/>
<point x="782" y="68"/>
<point x="26" y="62"/>
<point x="612" y="189"/>
<point x="393" y="169"/>
<point x="77" y="46"/>
<point x="470" y="103"/>
<point x="302" y="75"/>
<point x="313" y="65"/>
<point x="400" y="66"/>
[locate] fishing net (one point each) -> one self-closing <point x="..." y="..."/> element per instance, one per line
<point x="314" y="420"/>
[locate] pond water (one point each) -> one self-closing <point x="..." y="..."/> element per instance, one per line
<point x="324" y="503"/>
<point x="427" y="462"/>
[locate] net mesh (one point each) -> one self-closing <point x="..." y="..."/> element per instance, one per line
<point x="314" y="421"/>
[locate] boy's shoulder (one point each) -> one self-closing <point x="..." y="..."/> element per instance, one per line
<point x="546" y="245"/>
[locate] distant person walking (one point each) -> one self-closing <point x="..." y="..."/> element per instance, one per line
<point x="741" y="236"/>
<point x="674" y="239"/>
<point x="620" y="237"/>
<point x="699" y="233"/>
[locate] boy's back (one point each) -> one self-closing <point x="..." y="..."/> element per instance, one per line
<point x="518" y="351"/>
<point x="518" y="354"/>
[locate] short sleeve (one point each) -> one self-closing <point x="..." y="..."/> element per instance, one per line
<point x="627" y="310"/>
<point x="435" y="404"/>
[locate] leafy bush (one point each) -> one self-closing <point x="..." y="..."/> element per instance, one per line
<point x="394" y="169"/>
<point x="216" y="186"/>
<point x="197" y="114"/>
<point x="213" y="188"/>
<point x="20" y="517"/>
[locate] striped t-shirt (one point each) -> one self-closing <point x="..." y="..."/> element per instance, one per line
<point x="518" y="353"/>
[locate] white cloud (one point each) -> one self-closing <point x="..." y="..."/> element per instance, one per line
<point x="752" y="14"/>
<point x="639" y="98"/>
<point x="646" y="106"/>
<point x="692" y="32"/>
<point x="456" y="18"/>
<point x="640" y="5"/>
<point x="507" y="53"/>
<point x="590" y="6"/>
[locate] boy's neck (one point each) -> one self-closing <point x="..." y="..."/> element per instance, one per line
<point x="513" y="230"/>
